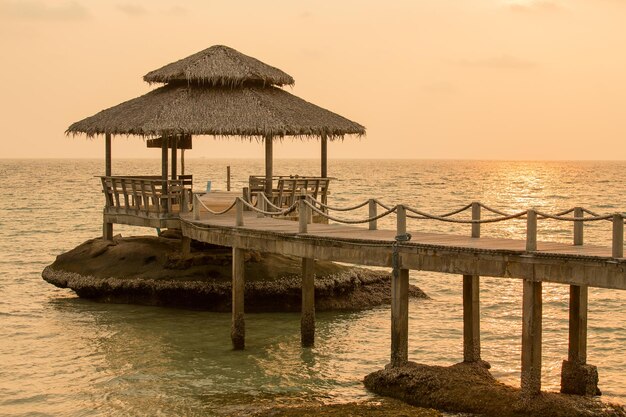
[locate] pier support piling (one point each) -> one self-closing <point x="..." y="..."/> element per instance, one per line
<point x="531" y="338"/>
<point x="238" y="325"/>
<point x="185" y="244"/>
<point x="307" y="322"/>
<point x="471" y="318"/>
<point x="400" y="302"/>
<point x="107" y="231"/>
<point x="577" y="377"/>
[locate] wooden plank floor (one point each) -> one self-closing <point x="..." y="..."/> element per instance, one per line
<point x="362" y="234"/>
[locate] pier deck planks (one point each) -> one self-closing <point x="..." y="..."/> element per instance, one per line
<point x="552" y="261"/>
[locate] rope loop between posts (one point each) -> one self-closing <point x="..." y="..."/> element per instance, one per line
<point x="282" y="212"/>
<point x="346" y="221"/>
<point x="327" y="207"/>
<point x="269" y="203"/>
<point x="216" y="213"/>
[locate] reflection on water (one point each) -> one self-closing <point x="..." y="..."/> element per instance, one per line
<point x="64" y="356"/>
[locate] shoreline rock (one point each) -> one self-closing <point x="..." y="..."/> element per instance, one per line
<point x="150" y="270"/>
<point x="470" y="388"/>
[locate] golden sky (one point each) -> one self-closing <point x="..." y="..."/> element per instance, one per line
<point x="461" y="79"/>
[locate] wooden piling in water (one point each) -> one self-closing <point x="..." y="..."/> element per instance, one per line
<point x="238" y="325"/>
<point x="400" y="302"/>
<point x="185" y="243"/>
<point x="471" y="318"/>
<point x="471" y="303"/>
<point x="307" y="321"/>
<point x="531" y="338"/>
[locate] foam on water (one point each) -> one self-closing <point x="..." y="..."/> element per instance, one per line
<point x="60" y="355"/>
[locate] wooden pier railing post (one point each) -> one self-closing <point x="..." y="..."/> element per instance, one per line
<point x="373" y="209"/>
<point x="196" y="207"/>
<point x="184" y="201"/>
<point x="260" y="198"/>
<point x="400" y="302"/>
<point x="238" y="325"/>
<point x="618" y="235"/>
<point x="239" y="212"/>
<point x="475" y="216"/>
<point x="531" y="230"/>
<point x="531" y="338"/>
<point x="578" y="226"/>
<point x="303" y="214"/>
<point x="307" y="321"/>
<point x="228" y="178"/>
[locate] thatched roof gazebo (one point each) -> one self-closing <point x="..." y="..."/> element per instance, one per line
<point x="219" y="92"/>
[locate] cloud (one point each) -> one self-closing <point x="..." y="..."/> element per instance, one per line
<point x="534" y="7"/>
<point x="504" y="62"/>
<point x="131" y="10"/>
<point x="37" y="10"/>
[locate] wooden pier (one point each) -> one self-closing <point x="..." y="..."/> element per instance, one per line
<point x="577" y="265"/>
<point x="264" y="227"/>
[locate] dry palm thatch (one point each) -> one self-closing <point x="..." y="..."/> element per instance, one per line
<point x="219" y="66"/>
<point x="196" y="110"/>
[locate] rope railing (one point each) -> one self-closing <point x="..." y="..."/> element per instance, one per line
<point x="306" y="206"/>
<point x="348" y="221"/>
<point x="327" y="207"/>
<point x="281" y="212"/>
<point x="215" y="213"/>
<point x="463" y="221"/>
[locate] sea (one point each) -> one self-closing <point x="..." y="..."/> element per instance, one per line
<point x="65" y="356"/>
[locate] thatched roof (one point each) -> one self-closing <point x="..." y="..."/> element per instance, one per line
<point x="189" y="109"/>
<point x="219" y="66"/>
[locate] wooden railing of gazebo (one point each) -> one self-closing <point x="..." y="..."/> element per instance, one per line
<point x="145" y="196"/>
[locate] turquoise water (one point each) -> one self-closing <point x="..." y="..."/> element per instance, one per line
<point x="60" y="355"/>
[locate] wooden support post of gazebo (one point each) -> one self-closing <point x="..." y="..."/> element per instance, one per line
<point x="324" y="156"/>
<point x="174" y="157"/>
<point x="164" y="169"/>
<point x="107" y="228"/>
<point x="269" y="168"/>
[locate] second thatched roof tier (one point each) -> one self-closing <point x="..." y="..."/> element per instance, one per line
<point x="247" y="112"/>
<point x="219" y="65"/>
